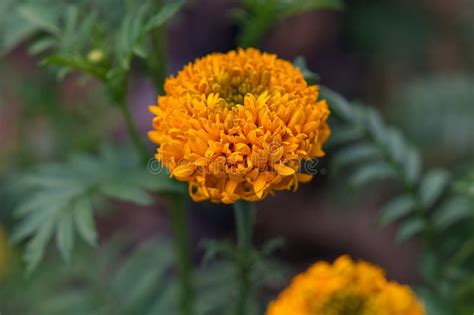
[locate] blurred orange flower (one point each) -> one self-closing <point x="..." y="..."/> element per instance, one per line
<point x="238" y="125"/>
<point x="345" y="287"/>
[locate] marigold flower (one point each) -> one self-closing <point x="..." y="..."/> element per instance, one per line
<point x="345" y="287"/>
<point x="238" y="125"/>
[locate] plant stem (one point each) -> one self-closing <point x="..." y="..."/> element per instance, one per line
<point x="133" y="131"/>
<point x="180" y="225"/>
<point x="157" y="63"/>
<point x="244" y="221"/>
<point x="158" y="59"/>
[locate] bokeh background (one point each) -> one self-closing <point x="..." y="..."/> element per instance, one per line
<point x="411" y="59"/>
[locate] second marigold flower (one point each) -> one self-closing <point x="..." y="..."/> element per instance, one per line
<point x="345" y="287"/>
<point x="238" y="125"/>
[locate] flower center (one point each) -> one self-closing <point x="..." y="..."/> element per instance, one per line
<point x="343" y="304"/>
<point x="234" y="88"/>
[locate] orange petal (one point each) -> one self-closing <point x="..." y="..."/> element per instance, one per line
<point x="283" y="170"/>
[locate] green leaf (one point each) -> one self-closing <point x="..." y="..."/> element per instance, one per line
<point x="432" y="186"/>
<point x="343" y="134"/>
<point x="412" y="165"/>
<point x="40" y="18"/>
<point x="61" y="195"/>
<point x="395" y="144"/>
<point x="337" y="104"/>
<point x="435" y="304"/>
<point x="357" y="153"/>
<point x="76" y="63"/>
<point x="65" y="235"/>
<point x="410" y="228"/>
<point x="164" y="15"/>
<point x="84" y="220"/>
<point x="41" y="45"/>
<point x="123" y="191"/>
<point x="396" y="209"/>
<point x="375" y="125"/>
<point x="309" y="76"/>
<point x="372" y="172"/>
<point x="300" y="6"/>
<point x="35" y="247"/>
<point x="453" y="211"/>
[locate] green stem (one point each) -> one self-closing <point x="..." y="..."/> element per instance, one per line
<point x="133" y="131"/>
<point x="244" y="221"/>
<point x="180" y="225"/>
<point x="158" y="59"/>
<point x="157" y="62"/>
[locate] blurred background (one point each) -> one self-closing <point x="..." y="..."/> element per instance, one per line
<point x="413" y="60"/>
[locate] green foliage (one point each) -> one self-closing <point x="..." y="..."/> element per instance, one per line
<point x="466" y="185"/>
<point x="58" y="199"/>
<point x="309" y="76"/>
<point x="426" y="205"/>
<point x="256" y="17"/>
<point x="266" y="273"/>
<point x="117" y="278"/>
<point x="113" y="279"/>
<point x="417" y="106"/>
<point x="81" y="36"/>
<point x="370" y="23"/>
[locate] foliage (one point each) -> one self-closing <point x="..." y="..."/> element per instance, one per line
<point x="227" y="255"/>
<point x="118" y="278"/>
<point x="114" y="279"/>
<point x="79" y="36"/>
<point x="57" y="199"/>
<point x="417" y="107"/>
<point x="425" y="205"/>
<point x="256" y="17"/>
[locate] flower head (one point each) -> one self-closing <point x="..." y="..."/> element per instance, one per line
<point x="238" y="125"/>
<point x="345" y="287"/>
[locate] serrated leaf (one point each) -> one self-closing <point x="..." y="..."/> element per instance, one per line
<point x="342" y="134"/>
<point x="166" y="13"/>
<point x="65" y="235"/>
<point x="451" y="212"/>
<point x="372" y="172"/>
<point x="432" y="186"/>
<point x="41" y="45"/>
<point x="396" y="209"/>
<point x="375" y="125"/>
<point x="84" y="220"/>
<point x="52" y="195"/>
<point x="395" y="144"/>
<point x="36" y="246"/>
<point x="413" y="165"/>
<point x="33" y="222"/>
<point x="410" y="228"/>
<point x="337" y="104"/>
<point x="123" y="191"/>
<point x="39" y="18"/>
<point x="357" y="153"/>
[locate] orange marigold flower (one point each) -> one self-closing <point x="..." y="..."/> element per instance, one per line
<point x="238" y="125"/>
<point x="345" y="287"/>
